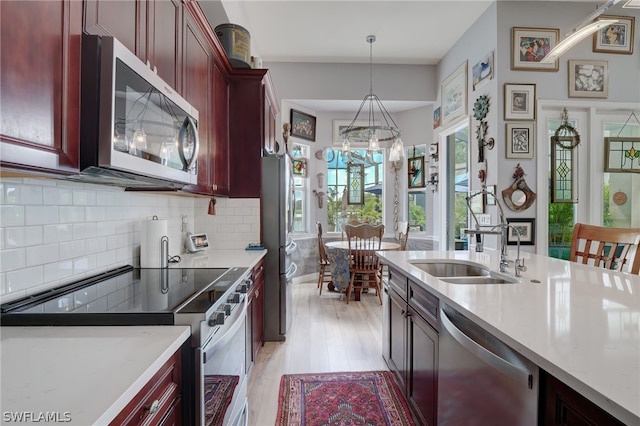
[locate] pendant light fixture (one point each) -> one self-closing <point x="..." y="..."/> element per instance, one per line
<point x="580" y="32"/>
<point x="379" y="127"/>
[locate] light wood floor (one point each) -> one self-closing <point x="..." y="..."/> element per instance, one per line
<point x="327" y="335"/>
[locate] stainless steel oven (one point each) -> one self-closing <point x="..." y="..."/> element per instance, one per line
<point x="212" y="301"/>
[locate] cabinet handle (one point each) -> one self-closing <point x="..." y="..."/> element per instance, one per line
<point x="155" y="405"/>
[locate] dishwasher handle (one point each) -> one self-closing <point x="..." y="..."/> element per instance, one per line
<point x="516" y="373"/>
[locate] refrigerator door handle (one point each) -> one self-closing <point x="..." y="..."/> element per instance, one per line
<point x="516" y="373"/>
<point x="291" y="247"/>
<point x="293" y="268"/>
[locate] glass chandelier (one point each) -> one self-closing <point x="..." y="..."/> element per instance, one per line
<point x="379" y="126"/>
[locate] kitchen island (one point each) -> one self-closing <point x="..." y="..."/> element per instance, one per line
<point x="80" y="375"/>
<point x="578" y="323"/>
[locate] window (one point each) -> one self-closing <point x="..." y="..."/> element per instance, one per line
<point x="561" y="214"/>
<point x="300" y="187"/>
<point x="416" y="197"/>
<point x="339" y="209"/>
<point x="619" y="188"/>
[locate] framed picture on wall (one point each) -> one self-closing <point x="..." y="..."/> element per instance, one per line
<point x="476" y="201"/>
<point x="416" y="172"/>
<point x="529" y="46"/>
<point x="616" y="38"/>
<point x="357" y="136"/>
<point x="519" y="101"/>
<point x="526" y="228"/>
<point x="453" y="94"/>
<point x="483" y="70"/>
<point x="520" y="139"/>
<point x="588" y="79"/>
<point x="303" y="125"/>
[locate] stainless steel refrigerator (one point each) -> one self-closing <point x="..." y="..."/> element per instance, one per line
<point x="276" y="206"/>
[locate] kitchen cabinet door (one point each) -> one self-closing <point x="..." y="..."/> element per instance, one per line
<point x="40" y="85"/>
<point x="152" y="29"/>
<point x="197" y="84"/>
<point x="164" y="40"/>
<point x="561" y="405"/>
<point x="422" y="371"/>
<point x="247" y="117"/>
<point x="220" y="136"/>
<point x="397" y="357"/>
<point x="255" y="312"/>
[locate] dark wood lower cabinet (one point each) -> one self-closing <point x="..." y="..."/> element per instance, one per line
<point x="255" y="312"/>
<point x="159" y="402"/>
<point x="410" y="345"/>
<point x="422" y="372"/>
<point x="561" y="405"/>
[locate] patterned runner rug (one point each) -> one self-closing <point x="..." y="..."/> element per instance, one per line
<point x="218" y="392"/>
<point x="349" y="398"/>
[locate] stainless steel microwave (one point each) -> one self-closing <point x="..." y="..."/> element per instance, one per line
<point x="136" y="131"/>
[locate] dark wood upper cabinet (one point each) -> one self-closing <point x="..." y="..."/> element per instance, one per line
<point x="40" y="85"/>
<point x="152" y="29"/>
<point x="220" y="134"/>
<point x="198" y="88"/>
<point x="252" y="114"/>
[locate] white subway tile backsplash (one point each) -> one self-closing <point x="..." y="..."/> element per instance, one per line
<point x="56" y="231"/>
<point x="71" y="214"/>
<point x="12" y="215"/>
<point x="58" y="270"/>
<point x="12" y="259"/>
<point x="105" y="228"/>
<point x="42" y="254"/>
<point x="57" y="196"/>
<point x="106" y="198"/>
<point x="95" y="214"/>
<point x="41" y="215"/>
<point x="71" y="249"/>
<point x="24" y="279"/>
<point x="22" y="236"/>
<point x="84" y="230"/>
<point x="82" y="197"/>
<point x="84" y="264"/>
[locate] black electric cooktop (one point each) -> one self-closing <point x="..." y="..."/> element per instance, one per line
<point x="124" y="296"/>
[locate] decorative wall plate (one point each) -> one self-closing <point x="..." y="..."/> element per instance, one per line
<point x="619" y="198"/>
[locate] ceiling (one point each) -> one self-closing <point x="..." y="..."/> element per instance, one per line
<point x="407" y="32"/>
<point x="336" y="31"/>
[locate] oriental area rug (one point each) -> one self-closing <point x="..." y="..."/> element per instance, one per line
<point x="349" y="398"/>
<point x="218" y="392"/>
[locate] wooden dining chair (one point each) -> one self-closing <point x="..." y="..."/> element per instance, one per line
<point x="612" y="248"/>
<point x="403" y="235"/>
<point x="364" y="265"/>
<point x="323" y="260"/>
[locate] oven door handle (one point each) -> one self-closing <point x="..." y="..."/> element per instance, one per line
<point x="228" y="331"/>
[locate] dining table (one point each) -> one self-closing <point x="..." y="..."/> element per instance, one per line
<point x="338" y="253"/>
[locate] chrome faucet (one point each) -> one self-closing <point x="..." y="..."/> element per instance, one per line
<point x="503" y="232"/>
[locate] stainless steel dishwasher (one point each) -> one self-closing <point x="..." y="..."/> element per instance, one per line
<point x="482" y="381"/>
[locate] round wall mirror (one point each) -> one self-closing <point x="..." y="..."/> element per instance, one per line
<point x="518" y="197"/>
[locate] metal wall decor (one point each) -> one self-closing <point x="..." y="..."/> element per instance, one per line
<point x="564" y="162"/>
<point x="480" y="111"/>
<point x="518" y="196"/>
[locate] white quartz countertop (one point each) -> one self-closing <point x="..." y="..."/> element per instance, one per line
<point x="82" y="375"/>
<point x="210" y="258"/>
<point x="579" y="323"/>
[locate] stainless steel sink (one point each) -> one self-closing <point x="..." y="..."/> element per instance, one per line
<point x="479" y="280"/>
<point x="451" y="269"/>
<point x="459" y="272"/>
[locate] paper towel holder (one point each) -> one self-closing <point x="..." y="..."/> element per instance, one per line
<point x="164" y="252"/>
